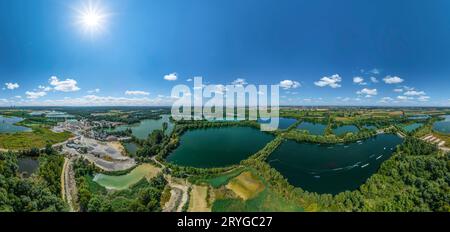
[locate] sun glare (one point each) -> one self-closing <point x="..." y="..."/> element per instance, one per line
<point x="91" y="17"/>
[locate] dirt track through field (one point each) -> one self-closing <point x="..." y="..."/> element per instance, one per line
<point x="179" y="195"/>
<point x="198" y="200"/>
<point x="68" y="185"/>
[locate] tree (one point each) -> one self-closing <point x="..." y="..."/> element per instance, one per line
<point x="165" y="126"/>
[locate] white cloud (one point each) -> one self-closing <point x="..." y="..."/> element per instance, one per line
<point x="386" y="99"/>
<point x="12" y="86"/>
<point x="414" y="93"/>
<point x="332" y="81"/>
<point x="69" y="85"/>
<point x="398" y="90"/>
<point x="45" y="88"/>
<point x="359" y="81"/>
<point x="239" y="82"/>
<point x="393" y="80"/>
<point x="375" y="71"/>
<point x="171" y="77"/>
<point x="94" y="91"/>
<point x="93" y="100"/>
<point x="374" y="79"/>
<point x="368" y="92"/>
<point x="404" y="98"/>
<point x="289" y="84"/>
<point x="136" y="92"/>
<point x="189" y="80"/>
<point x="219" y="89"/>
<point x="423" y="98"/>
<point x="35" y="95"/>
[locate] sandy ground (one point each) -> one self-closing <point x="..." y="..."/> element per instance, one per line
<point x="179" y="194"/>
<point x="115" y="162"/>
<point x="435" y="140"/>
<point x="118" y="146"/>
<point x="198" y="199"/>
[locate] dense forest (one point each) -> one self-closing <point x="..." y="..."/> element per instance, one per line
<point x="415" y="178"/>
<point x="145" y="196"/>
<point x="40" y="192"/>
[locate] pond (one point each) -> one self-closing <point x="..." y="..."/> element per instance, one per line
<point x="412" y="127"/>
<point x="7" y="125"/>
<point x="443" y="126"/>
<point x="313" y="128"/>
<point x="131" y="148"/>
<point x="342" y="130"/>
<point x="27" y="166"/>
<point x="57" y="115"/>
<point x="283" y="124"/>
<point x="218" y="147"/>
<point x="419" y="117"/>
<point x="332" y="168"/>
<point x="125" y="181"/>
<point x="370" y="127"/>
<point x="145" y="127"/>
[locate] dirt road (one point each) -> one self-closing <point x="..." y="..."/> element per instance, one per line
<point x="68" y="185"/>
<point x="179" y="195"/>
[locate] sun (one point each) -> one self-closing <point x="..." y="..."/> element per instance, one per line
<point x="91" y="17"/>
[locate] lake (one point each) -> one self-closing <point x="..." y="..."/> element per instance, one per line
<point x="412" y="127"/>
<point x="146" y="127"/>
<point x="131" y="148"/>
<point x="370" y="127"/>
<point x="283" y="124"/>
<point x="419" y="117"/>
<point x="7" y="125"/>
<point x="218" y="147"/>
<point x="27" y="165"/>
<point x="332" y="168"/>
<point x="125" y="181"/>
<point x="342" y="130"/>
<point x="57" y="115"/>
<point x="313" y="128"/>
<point x="443" y="126"/>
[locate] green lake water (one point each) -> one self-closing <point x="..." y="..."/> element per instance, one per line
<point x="283" y="123"/>
<point x="443" y="126"/>
<point x="27" y="165"/>
<point x="145" y="127"/>
<point x="7" y="125"/>
<point x="313" y="128"/>
<point x="412" y="127"/>
<point x="131" y="148"/>
<point x="218" y="147"/>
<point x="124" y="181"/>
<point x="370" y="127"/>
<point x="332" y="168"/>
<point x="342" y="130"/>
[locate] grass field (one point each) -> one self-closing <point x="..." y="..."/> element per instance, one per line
<point x="246" y="185"/>
<point x="38" y="138"/>
<point x="259" y="198"/>
<point x="198" y="201"/>
<point x="125" y="181"/>
<point x="266" y="201"/>
<point x="223" y="179"/>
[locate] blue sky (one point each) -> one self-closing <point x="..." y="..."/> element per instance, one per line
<point x="323" y="52"/>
